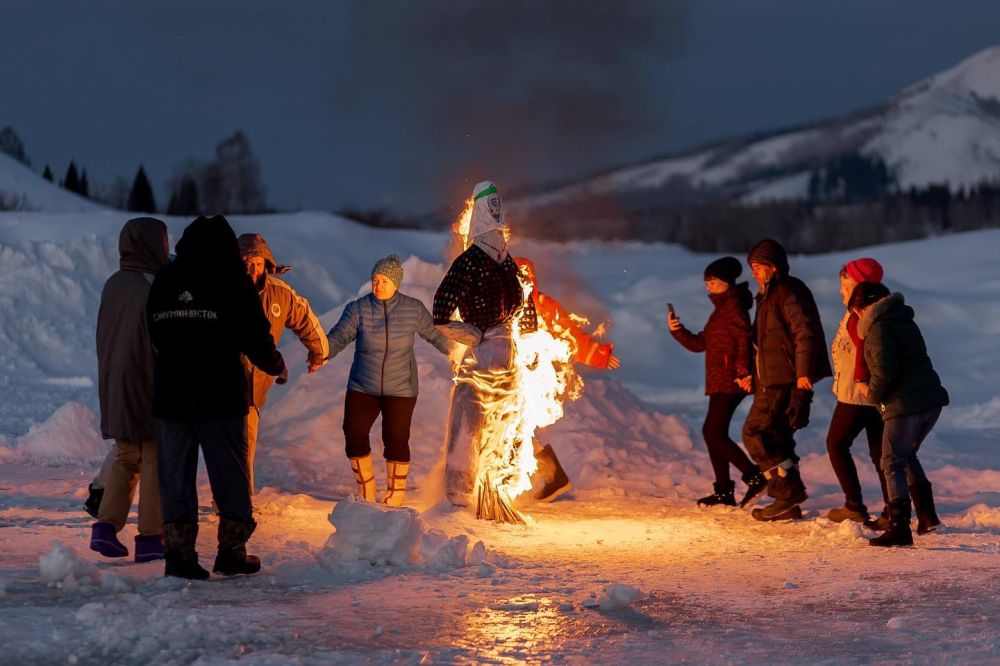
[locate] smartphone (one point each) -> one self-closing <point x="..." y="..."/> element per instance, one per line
<point x="670" y="309"/>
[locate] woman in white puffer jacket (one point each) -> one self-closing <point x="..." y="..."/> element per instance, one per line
<point x="853" y="413"/>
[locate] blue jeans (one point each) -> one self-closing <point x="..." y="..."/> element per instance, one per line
<point x="900" y="441"/>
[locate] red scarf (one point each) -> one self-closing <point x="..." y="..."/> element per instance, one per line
<point x="861" y="372"/>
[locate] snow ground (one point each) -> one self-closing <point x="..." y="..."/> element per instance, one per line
<point x="715" y="586"/>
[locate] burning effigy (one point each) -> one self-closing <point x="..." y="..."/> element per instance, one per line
<point x="514" y="372"/>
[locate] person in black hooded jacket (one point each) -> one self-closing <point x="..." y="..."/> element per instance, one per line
<point x="728" y="362"/>
<point x="791" y="357"/>
<point x="204" y="313"/>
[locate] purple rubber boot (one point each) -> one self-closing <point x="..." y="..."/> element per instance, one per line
<point x="148" y="547"/>
<point x="104" y="540"/>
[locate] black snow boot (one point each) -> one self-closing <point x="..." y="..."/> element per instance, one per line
<point x="724" y="494"/>
<point x="756" y="484"/>
<point x="923" y="505"/>
<point x="179" y="551"/>
<point x="898" y="533"/>
<point x="232" y="558"/>
<point x="556" y="482"/>
<point x="94" y="497"/>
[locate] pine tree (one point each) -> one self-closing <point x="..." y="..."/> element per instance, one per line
<point x="184" y="197"/>
<point x="72" y="181"/>
<point x="84" y="185"/>
<point x="11" y="144"/>
<point x="140" y="199"/>
<point x="47" y="174"/>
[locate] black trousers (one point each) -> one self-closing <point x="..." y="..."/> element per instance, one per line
<point x="360" y="412"/>
<point x="224" y="446"/>
<point x="722" y="450"/>
<point x="847" y="423"/>
<point x="770" y="440"/>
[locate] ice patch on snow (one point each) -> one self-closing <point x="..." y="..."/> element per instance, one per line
<point x="385" y="535"/>
<point x="896" y="623"/>
<point x="618" y="596"/>
<point x="75" y="382"/>
<point x="70" y="435"/>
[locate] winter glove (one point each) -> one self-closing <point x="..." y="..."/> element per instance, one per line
<point x="798" y="408"/>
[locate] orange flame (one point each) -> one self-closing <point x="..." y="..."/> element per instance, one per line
<point x="460" y="227"/>
<point x="517" y="402"/>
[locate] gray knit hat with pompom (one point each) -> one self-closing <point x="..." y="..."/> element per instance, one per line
<point x="391" y="267"/>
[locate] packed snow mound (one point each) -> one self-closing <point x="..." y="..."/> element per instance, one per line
<point x="36" y="193"/>
<point x="944" y="129"/>
<point x="382" y="535"/>
<point x="618" y="596"/>
<point x="70" y="435"/>
<point x="62" y="568"/>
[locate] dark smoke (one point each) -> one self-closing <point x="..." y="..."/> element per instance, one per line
<point x="520" y="91"/>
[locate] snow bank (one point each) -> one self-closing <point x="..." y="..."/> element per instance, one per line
<point x="610" y="442"/>
<point x="979" y="516"/>
<point x="70" y="435"/>
<point x="39" y="194"/>
<point x="383" y="535"/>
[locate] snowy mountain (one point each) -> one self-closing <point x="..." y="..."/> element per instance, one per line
<point x="943" y="129"/>
<point x="37" y="194"/>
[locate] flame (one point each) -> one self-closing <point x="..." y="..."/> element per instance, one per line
<point x="600" y="331"/>
<point x="516" y="402"/>
<point x="460" y="227"/>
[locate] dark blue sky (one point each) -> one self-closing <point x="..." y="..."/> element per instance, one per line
<point x="404" y="104"/>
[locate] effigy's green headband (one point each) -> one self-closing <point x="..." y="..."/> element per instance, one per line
<point x="489" y="190"/>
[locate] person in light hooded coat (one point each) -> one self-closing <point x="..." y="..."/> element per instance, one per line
<point x="125" y="390"/>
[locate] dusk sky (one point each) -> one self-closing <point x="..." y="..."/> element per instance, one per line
<point x="406" y="104"/>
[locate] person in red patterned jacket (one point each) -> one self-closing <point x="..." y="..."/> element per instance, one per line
<point x="554" y="480"/>
<point x="726" y="342"/>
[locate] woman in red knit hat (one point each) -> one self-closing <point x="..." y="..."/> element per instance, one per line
<point x="853" y="413"/>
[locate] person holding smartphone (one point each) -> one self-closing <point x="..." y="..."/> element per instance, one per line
<point x="726" y="342"/>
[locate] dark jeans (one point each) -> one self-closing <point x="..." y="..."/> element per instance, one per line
<point x="224" y="447"/>
<point x="847" y="423"/>
<point x="902" y="437"/>
<point x="722" y="450"/>
<point x="360" y="412"/>
<point x="770" y="440"/>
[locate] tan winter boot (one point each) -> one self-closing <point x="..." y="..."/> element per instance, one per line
<point x="365" y="476"/>
<point x="395" y="474"/>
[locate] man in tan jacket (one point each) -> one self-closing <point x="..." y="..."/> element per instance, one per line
<point x="284" y="309"/>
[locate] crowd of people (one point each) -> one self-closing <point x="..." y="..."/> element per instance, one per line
<point x="883" y="379"/>
<point x="187" y="351"/>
